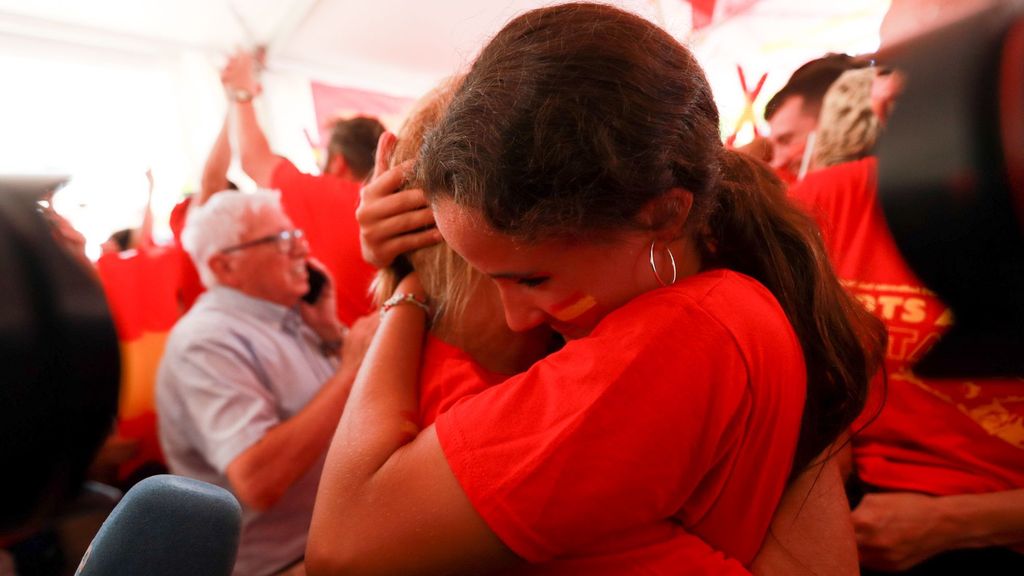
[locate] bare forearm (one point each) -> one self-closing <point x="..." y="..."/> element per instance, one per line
<point x="146" y="230"/>
<point x="258" y="160"/>
<point x="811" y="531"/>
<point x="378" y="422"/>
<point x="265" y="471"/>
<point x="994" y="519"/>
<point x="215" y="171"/>
<point x="383" y="414"/>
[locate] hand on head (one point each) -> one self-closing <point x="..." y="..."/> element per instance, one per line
<point x="392" y="221"/>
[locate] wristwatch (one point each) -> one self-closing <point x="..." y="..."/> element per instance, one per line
<point x="240" y="95"/>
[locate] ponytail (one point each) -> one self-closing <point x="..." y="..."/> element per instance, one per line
<point x="755" y="229"/>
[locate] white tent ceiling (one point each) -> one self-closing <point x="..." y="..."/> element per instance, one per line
<point x="104" y="89"/>
<point x="405" y="46"/>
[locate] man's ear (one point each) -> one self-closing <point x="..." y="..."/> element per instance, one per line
<point x="667" y="214"/>
<point x="222" y="267"/>
<point x="337" y="166"/>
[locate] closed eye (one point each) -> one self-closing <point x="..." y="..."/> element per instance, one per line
<point x="532" y="281"/>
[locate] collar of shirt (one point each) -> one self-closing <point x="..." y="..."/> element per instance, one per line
<point x="270" y="312"/>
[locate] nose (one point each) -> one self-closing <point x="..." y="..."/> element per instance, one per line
<point x="300" y="247"/>
<point x="520" y="313"/>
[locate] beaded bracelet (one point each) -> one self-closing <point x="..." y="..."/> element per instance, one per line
<point x="402" y="298"/>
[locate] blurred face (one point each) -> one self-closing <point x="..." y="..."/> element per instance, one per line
<point x="110" y="247"/>
<point x="569" y="286"/>
<point x="274" y="270"/>
<point x="885" y="89"/>
<point x="790" y="127"/>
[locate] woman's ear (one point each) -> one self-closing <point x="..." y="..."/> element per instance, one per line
<point x="667" y="214"/>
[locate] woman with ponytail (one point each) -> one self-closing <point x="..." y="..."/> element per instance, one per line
<point x="711" y="353"/>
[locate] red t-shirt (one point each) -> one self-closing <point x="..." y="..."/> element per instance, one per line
<point x="447" y="374"/>
<point x="325" y="208"/>
<point x="142" y="290"/>
<point x="190" y="284"/>
<point x="677" y="416"/>
<point x="940" y="437"/>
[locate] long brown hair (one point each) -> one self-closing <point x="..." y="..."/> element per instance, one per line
<point x="755" y="229"/>
<point x="575" y="117"/>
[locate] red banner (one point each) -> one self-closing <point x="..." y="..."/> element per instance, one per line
<point x="333" y="102"/>
<point x="707" y="12"/>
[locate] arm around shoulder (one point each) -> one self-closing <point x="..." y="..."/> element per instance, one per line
<point x="388" y="502"/>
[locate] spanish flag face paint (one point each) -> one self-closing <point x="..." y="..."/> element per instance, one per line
<point x="573" y="307"/>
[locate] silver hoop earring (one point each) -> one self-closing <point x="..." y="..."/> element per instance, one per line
<point x="654" y="267"/>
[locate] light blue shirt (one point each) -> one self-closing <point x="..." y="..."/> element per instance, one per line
<point x="234" y="367"/>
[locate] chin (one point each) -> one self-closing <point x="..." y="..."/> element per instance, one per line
<point x="570" y="332"/>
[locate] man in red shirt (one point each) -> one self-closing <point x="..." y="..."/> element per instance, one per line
<point x="323" y="206"/>
<point x="942" y="465"/>
<point x="792" y="114"/>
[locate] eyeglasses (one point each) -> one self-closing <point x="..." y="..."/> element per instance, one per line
<point x="286" y="240"/>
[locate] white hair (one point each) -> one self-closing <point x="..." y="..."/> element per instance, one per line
<point x="221" y="223"/>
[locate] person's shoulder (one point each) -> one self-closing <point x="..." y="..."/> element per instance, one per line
<point x="205" y="324"/>
<point x="841" y="180"/>
<point x="719" y="303"/>
<point x="285" y="173"/>
<point x="703" y="289"/>
<point x="705" y="302"/>
<point x="726" y="293"/>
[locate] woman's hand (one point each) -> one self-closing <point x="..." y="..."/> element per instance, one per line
<point x="392" y="221"/>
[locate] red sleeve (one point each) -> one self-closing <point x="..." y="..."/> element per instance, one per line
<point x="179" y="214"/>
<point x="298" y="190"/>
<point x="590" y="449"/>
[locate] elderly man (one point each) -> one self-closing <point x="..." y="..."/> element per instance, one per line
<point x="250" y="387"/>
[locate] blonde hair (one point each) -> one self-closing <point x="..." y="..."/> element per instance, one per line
<point x="448" y="280"/>
<point x="847" y="126"/>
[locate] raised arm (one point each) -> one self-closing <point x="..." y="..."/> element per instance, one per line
<point x="241" y="86"/>
<point x="215" y="171"/>
<point x="146" y="230"/>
